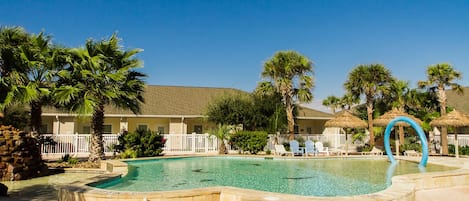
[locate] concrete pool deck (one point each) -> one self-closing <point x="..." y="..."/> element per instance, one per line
<point x="449" y="185"/>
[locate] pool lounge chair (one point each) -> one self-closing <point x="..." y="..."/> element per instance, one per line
<point x="280" y="150"/>
<point x="309" y="148"/>
<point x="411" y="153"/>
<point x="375" y="151"/>
<point x="295" y="148"/>
<point x="321" y="148"/>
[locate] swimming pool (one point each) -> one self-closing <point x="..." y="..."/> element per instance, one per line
<point x="311" y="177"/>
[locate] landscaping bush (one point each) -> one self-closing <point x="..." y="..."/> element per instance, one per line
<point x="411" y="143"/>
<point x="141" y="143"/>
<point x="251" y="141"/>
<point x="364" y="148"/>
<point x="463" y="150"/>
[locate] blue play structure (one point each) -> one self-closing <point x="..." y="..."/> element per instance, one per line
<point x="423" y="139"/>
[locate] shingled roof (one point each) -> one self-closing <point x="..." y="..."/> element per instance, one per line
<point x="177" y="101"/>
<point x="459" y="102"/>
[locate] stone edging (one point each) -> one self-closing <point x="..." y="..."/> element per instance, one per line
<point x="403" y="188"/>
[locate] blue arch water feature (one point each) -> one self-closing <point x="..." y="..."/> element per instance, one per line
<point x="423" y="139"/>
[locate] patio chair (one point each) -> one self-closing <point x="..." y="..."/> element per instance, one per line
<point x="309" y="148"/>
<point x="280" y="150"/>
<point x="411" y="153"/>
<point x="321" y="148"/>
<point x="374" y="151"/>
<point x="295" y="148"/>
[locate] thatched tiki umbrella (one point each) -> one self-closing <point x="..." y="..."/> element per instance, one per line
<point x="455" y="119"/>
<point x="384" y="120"/>
<point x="346" y="120"/>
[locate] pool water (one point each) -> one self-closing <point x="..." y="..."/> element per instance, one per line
<point x="312" y="177"/>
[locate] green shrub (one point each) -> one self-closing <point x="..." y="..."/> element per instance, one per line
<point x="463" y="150"/>
<point x="144" y="143"/>
<point x="268" y="152"/>
<point x="65" y="158"/>
<point x="251" y="141"/>
<point x="129" y="153"/>
<point x="72" y="161"/>
<point x="68" y="159"/>
<point x="364" y="148"/>
<point x="411" y="143"/>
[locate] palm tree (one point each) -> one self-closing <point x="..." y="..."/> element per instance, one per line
<point x="35" y="60"/>
<point x="222" y="133"/>
<point x="100" y="74"/>
<point x="399" y="95"/>
<point x="439" y="77"/>
<point x="347" y="101"/>
<point x="12" y="67"/>
<point x="44" y="61"/>
<point x="332" y="102"/>
<point x="369" y="80"/>
<point x="282" y="70"/>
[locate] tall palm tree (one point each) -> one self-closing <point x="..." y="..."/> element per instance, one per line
<point x="44" y="61"/>
<point x="332" y="102"/>
<point x="100" y="74"/>
<point x="398" y="96"/>
<point x="439" y="77"/>
<point x="31" y="64"/>
<point x="290" y="74"/>
<point x="12" y="67"/>
<point x="369" y="80"/>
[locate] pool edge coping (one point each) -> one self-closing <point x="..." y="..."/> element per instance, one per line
<point x="403" y="187"/>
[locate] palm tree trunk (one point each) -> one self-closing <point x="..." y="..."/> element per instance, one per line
<point x="36" y="112"/>
<point x="97" y="147"/>
<point x="290" y="119"/>
<point x="222" y="148"/>
<point x="444" y="129"/>
<point x="401" y="135"/>
<point x="369" y="111"/>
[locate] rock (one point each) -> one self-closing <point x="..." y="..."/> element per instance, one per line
<point x="3" y="189"/>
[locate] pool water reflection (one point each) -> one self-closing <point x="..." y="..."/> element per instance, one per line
<point x="313" y="177"/>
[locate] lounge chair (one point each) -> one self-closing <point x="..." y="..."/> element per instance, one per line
<point x="374" y="151"/>
<point x="309" y="148"/>
<point x="280" y="150"/>
<point x="411" y="153"/>
<point x="295" y="148"/>
<point x="321" y="148"/>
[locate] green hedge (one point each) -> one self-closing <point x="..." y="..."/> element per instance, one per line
<point x="141" y="143"/>
<point x="251" y="141"/>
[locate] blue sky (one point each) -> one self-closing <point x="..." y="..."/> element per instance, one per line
<point x="223" y="43"/>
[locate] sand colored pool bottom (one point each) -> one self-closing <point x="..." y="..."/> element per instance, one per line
<point x="403" y="188"/>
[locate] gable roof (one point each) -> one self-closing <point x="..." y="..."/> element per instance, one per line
<point x="459" y="102"/>
<point x="179" y="101"/>
<point x="308" y="113"/>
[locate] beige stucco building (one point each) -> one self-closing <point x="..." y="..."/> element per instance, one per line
<point x="168" y="110"/>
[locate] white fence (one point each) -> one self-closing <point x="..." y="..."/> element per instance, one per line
<point x="54" y="146"/>
<point x="73" y="144"/>
<point x="78" y="144"/>
<point x="190" y="143"/>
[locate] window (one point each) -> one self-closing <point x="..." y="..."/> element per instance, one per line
<point x="142" y="127"/>
<point x="107" y="129"/>
<point x="160" y="129"/>
<point x="296" y="129"/>
<point x="86" y="130"/>
<point x="309" y="130"/>
<point x="43" y="128"/>
<point x="198" y="129"/>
